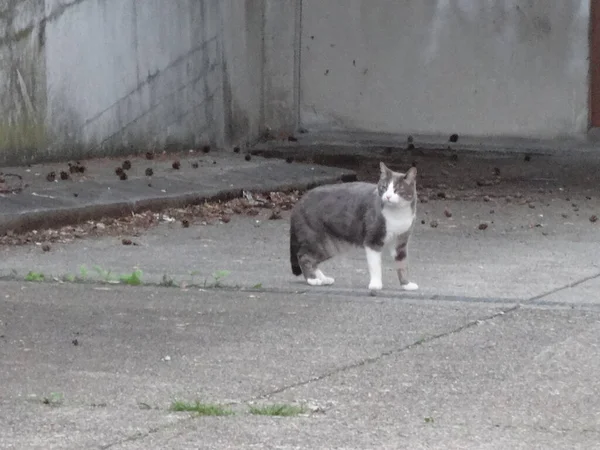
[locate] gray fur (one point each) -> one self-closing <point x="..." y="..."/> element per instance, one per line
<point x="330" y="218"/>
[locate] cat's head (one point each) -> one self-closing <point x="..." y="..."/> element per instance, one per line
<point x="397" y="189"/>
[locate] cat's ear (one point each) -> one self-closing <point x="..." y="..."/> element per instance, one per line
<point x="411" y="175"/>
<point x="384" y="170"/>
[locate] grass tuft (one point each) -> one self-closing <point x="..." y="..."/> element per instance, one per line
<point x="34" y="276"/>
<point x="277" y="410"/>
<point x="134" y="279"/>
<point x="202" y="409"/>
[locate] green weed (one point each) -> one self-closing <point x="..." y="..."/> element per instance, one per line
<point x="277" y="410"/>
<point x="202" y="409"/>
<point x="35" y="276"/>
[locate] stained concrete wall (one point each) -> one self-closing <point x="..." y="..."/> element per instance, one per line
<point x="128" y="73"/>
<point x="98" y="77"/>
<point x="476" y="67"/>
<point x="22" y="76"/>
<point x="102" y="77"/>
<point x="260" y="64"/>
<point x="84" y="77"/>
<point x="243" y="58"/>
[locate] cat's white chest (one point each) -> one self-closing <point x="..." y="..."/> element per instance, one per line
<point x="397" y="222"/>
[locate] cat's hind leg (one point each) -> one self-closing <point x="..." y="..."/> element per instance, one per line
<point x="313" y="275"/>
<point x="325" y="280"/>
<point x="308" y="263"/>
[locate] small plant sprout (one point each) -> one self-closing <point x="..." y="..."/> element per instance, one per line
<point x="34" y="276"/>
<point x="83" y="273"/>
<point x="277" y="410"/>
<point x="217" y="277"/>
<point x="106" y="275"/>
<point x="202" y="409"/>
<point x="133" y="279"/>
<point x="69" y="277"/>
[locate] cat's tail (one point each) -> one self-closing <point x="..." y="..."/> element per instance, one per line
<point x="294" y="247"/>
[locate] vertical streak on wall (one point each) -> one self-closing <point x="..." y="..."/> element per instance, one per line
<point x="22" y="80"/>
<point x="594" y="71"/>
<point x="242" y="67"/>
<point x="297" y="60"/>
<point x="279" y="77"/>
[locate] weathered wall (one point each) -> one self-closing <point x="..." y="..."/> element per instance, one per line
<point x="101" y="77"/>
<point x="127" y="73"/>
<point x="281" y="59"/>
<point x="260" y="65"/>
<point x="22" y="75"/>
<point x="243" y="68"/>
<point x="108" y="76"/>
<point x="85" y="77"/>
<point x="493" y="67"/>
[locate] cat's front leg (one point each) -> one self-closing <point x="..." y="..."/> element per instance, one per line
<point x="400" y="254"/>
<point x="374" y="264"/>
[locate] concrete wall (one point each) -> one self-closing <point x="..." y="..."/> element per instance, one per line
<point x="101" y="77"/>
<point x="82" y="77"/>
<point x="98" y="77"/>
<point x="476" y="67"/>
<point x="22" y="75"/>
<point x="260" y="65"/>
<point x="243" y="58"/>
<point x="124" y="73"/>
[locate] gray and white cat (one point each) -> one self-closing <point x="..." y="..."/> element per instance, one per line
<point x="330" y="218"/>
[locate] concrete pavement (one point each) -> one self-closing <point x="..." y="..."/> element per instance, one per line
<point x="498" y="349"/>
<point x="374" y="372"/>
<point x="513" y="259"/>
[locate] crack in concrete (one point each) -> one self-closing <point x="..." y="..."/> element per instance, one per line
<point x="347" y="367"/>
<point x="385" y="354"/>
<point x="537" y="298"/>
<point x="546" y="429"/>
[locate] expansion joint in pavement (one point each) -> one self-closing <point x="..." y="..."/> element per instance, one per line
<point x="538" y="299"/>
<point x="385" y="354"/>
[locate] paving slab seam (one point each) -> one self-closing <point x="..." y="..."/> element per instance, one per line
<point x="344" y="368"/>
<point x="150" y="432"/>
<point x="385" y="354"/>
<point x="399" y="295"/>
<point x="546" y="429"/>
<point x="540" y="297"/>
<point x="350" y="295"/>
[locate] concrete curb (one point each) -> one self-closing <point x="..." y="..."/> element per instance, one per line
<point x="42" y="218"/>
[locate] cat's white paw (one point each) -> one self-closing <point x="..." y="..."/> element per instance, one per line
<point x="375" y="286"/>
<point x="410" y="286"/>
<point x="325" y="280"/>
<point x="314" y="281"/>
